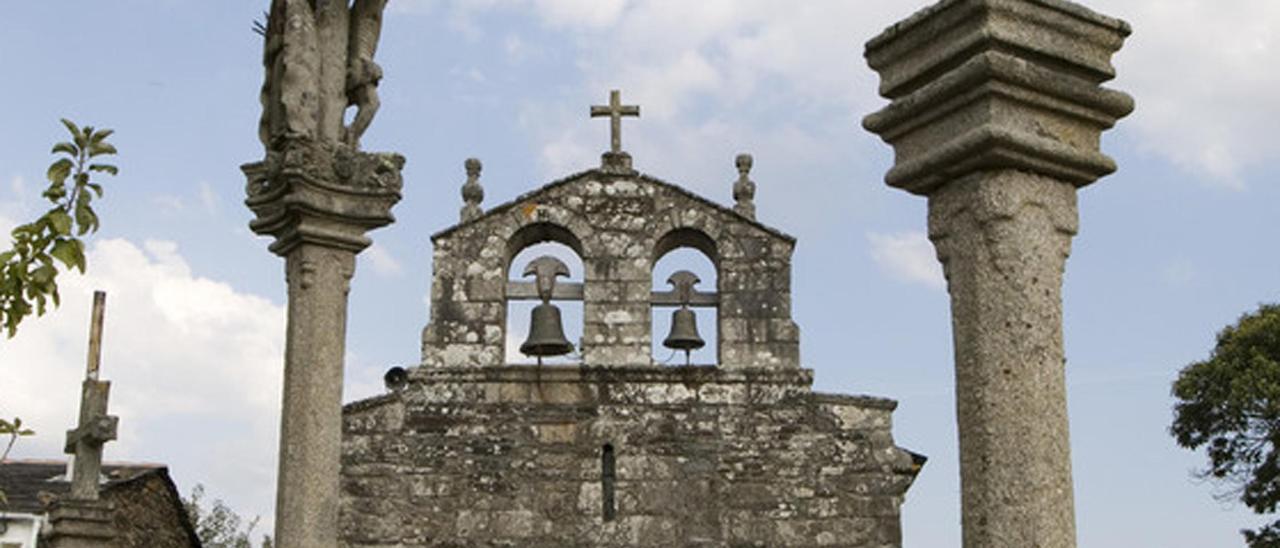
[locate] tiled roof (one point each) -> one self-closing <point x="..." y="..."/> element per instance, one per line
<point x="29" y="484"/>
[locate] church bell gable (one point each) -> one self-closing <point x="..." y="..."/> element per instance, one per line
<point x="620" y="223"/>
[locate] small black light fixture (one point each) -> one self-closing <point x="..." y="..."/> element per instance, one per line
<point x="396" y="378"/>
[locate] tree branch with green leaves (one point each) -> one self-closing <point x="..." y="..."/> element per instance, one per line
<point x="13" y="430"/>
<point x="1229" y="405"/>
<point x="28" y="272"/>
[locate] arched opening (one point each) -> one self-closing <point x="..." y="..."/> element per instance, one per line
<point x="677" y="254"/>
<point x="537" y="233"/>
<point x="525" y="247"/>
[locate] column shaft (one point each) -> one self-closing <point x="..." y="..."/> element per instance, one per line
<point x="1003" y="238"/>
<point x="311" y="430"/>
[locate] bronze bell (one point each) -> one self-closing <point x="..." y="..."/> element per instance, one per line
<point x="684" y="324"/>
<point x="684" y="331"/>
<point x="546" y="334"/>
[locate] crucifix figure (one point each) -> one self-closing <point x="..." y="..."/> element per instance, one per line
<point x="615" y="110"/>
<point x="96" y="427"/>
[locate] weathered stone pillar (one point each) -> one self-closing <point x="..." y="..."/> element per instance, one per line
<point x="996" y="115"/>
<point x="81" y="519"/>
<point x="317" y="199"/>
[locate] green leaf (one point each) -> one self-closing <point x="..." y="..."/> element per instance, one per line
<point x="61" y="221"/>
<point x="101" y="134"/>
<point x="59" y="170"/>
<point x="56" y="192"/>
<point x="66" y="148"/>
<point x="71" y="126"/>
<point x="97" y="149"/>
<point x="85" y="217"/>
<point x="5" y="256"/>
<point x="71" y="254"/>
<point x="95" y="186"/>
<point x="43" y="275"/>
<point x="105" y="168"/>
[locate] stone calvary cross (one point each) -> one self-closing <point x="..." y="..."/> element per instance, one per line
<point x="81" y="519"/>
<point x="96" y="427"/>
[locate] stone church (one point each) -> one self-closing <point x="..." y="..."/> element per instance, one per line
<point x="996" y="109"/>
<point x="617" y="449"/>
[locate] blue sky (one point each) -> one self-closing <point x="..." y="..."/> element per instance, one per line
<point x="1172" y="247"/>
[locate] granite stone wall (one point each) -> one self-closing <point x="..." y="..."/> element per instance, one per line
<point x="617" y="450"/>
<point x="701" y="456"/>
<point x="149" y="513"/>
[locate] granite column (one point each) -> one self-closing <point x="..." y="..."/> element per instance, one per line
<point x="996" y="114"/>
<point x="317" y="199"/>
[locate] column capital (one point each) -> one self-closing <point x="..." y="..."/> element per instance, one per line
<point x="309" y="191"/>
<point x="997" y="84"/>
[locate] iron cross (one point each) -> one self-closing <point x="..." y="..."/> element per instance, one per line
<point x="615" y="110"/>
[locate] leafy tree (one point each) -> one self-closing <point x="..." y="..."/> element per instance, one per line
<point x="218" y="526"/>
<point x="27" y="271"/>
<point x="1230" y="405"/>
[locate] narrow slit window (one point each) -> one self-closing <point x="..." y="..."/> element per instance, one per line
<point x="608" y="476"/>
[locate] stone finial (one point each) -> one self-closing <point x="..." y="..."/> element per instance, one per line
<point x="744" y="189"/>
<point x="472" y="192"/>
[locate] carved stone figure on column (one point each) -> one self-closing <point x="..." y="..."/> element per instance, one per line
<point x="363" y="74"/>
<point x="318" y="60"/>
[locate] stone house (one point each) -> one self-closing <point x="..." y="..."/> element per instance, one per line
<point x="617" y="449"/>
<point x="147" y="510"/>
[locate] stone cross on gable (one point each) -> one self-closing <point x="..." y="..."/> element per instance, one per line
<point x="615" y="110"/>
<point x="96" y="428"/>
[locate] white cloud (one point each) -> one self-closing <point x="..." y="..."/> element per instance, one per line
<point x="208" y="198"/>
<point x="1203" y="76"/>
<point x="693" y="63"/>
<point x="907" y="256"/>
<point x="581" y="13"/>
<point x="783" y="81"/>
<point x="18" y="185"/>
<point x="381" y="260"/>
<point x="14" y="207"/>
<point x="1180" y="272"/>
<point x="169" y="204"/>
<point x="195" y="368"/>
